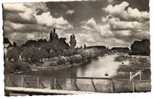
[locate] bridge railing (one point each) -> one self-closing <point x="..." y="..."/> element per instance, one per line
<point x="91" y="84"/>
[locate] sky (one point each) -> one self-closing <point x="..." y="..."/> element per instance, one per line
<point x="98" y="22"/>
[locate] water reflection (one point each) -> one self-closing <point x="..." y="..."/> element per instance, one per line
<point x="103" y="67"/>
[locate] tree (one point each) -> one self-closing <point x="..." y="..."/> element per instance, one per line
<point x="34" y="54"/>
<point x="141" y="47"/>
<point x="84" y="46"/>
<point x="13" y="53"/>
<point x="72" y="41"/>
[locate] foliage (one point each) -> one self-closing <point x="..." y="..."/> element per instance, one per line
<point x="13" y="53"/>
<point x="34" y="54"/>
<point x="141" y="47"/>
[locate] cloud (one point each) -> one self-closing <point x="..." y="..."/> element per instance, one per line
<point x="127" y="23"/>
<point x="24" y="28"/>
<point x="18" y="12"/>
<point x="76" y="12"/>
<point x="89" y="25"/>
<point x="49" y="20"/>
<point x="117" y="24"/>
<point x="117" y="9"/>
<point x="142" y="5"/>
<point x="22" y="13"/>
<point x="101" y="29"/>
<point x="29" y="15"/>
<point x="20" y="18"/>
<point x="21" y="38"/>
<point x="14" y="7"/>
<point x="122" y="33"/>
<point x="128" y="30"/>
<point x="125" y="12"/>
<point x="114" y="31"/>
<point x="70" y="11"/>
<point x="110" y="1"/>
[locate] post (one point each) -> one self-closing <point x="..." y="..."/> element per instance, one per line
<point x="52" y="83"/>
<point x="55" y="83"/>
<point x="113" y="86"/>
<point x="133" y="86"/>
<point x="93" y="85"/>
<point x="7" y="93"/>
<point x="76" y="86"/>
<point x="38" y="82"/>
<point x="58" y="86"/>
<point x="140" y="75"/>
<point x="130" y="76"/>
<point x="22" y="80"/>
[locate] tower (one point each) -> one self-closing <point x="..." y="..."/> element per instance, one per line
<point x="53" y="34"/>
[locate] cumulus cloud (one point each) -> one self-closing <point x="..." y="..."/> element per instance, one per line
<point x="103" y="29"/>
<point x="21" y="13"/>
<point x="128" y="30"/>
<point x="90" y="25"/>
<point x="20" y="18"/>
<point x="24" y="28"/>
<point x="18" y="12"/>
<point x="117" y="24"/>
<point x="76" y="12"/>
<point x="15" y="7"/>
<point x="127" y="23"/>
<point x="125" y="12"/>
<point x="49" y="20"/>
<point x="117" y="9"/>
<point x="142" y="5"/>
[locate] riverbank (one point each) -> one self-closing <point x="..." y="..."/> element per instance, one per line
<point x="43" y="68"/>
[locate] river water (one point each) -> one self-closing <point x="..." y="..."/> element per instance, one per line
<point x="105" y="66"/>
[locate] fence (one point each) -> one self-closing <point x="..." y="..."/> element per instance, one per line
<point x="90" y="84"/>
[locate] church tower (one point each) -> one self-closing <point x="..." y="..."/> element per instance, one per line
<point x="53" y="34"/>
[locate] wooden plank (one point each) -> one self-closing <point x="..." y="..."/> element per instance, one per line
<point x="42" y="91"/>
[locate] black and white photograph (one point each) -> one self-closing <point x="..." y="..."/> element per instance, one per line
<point x="76" y="47"/>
